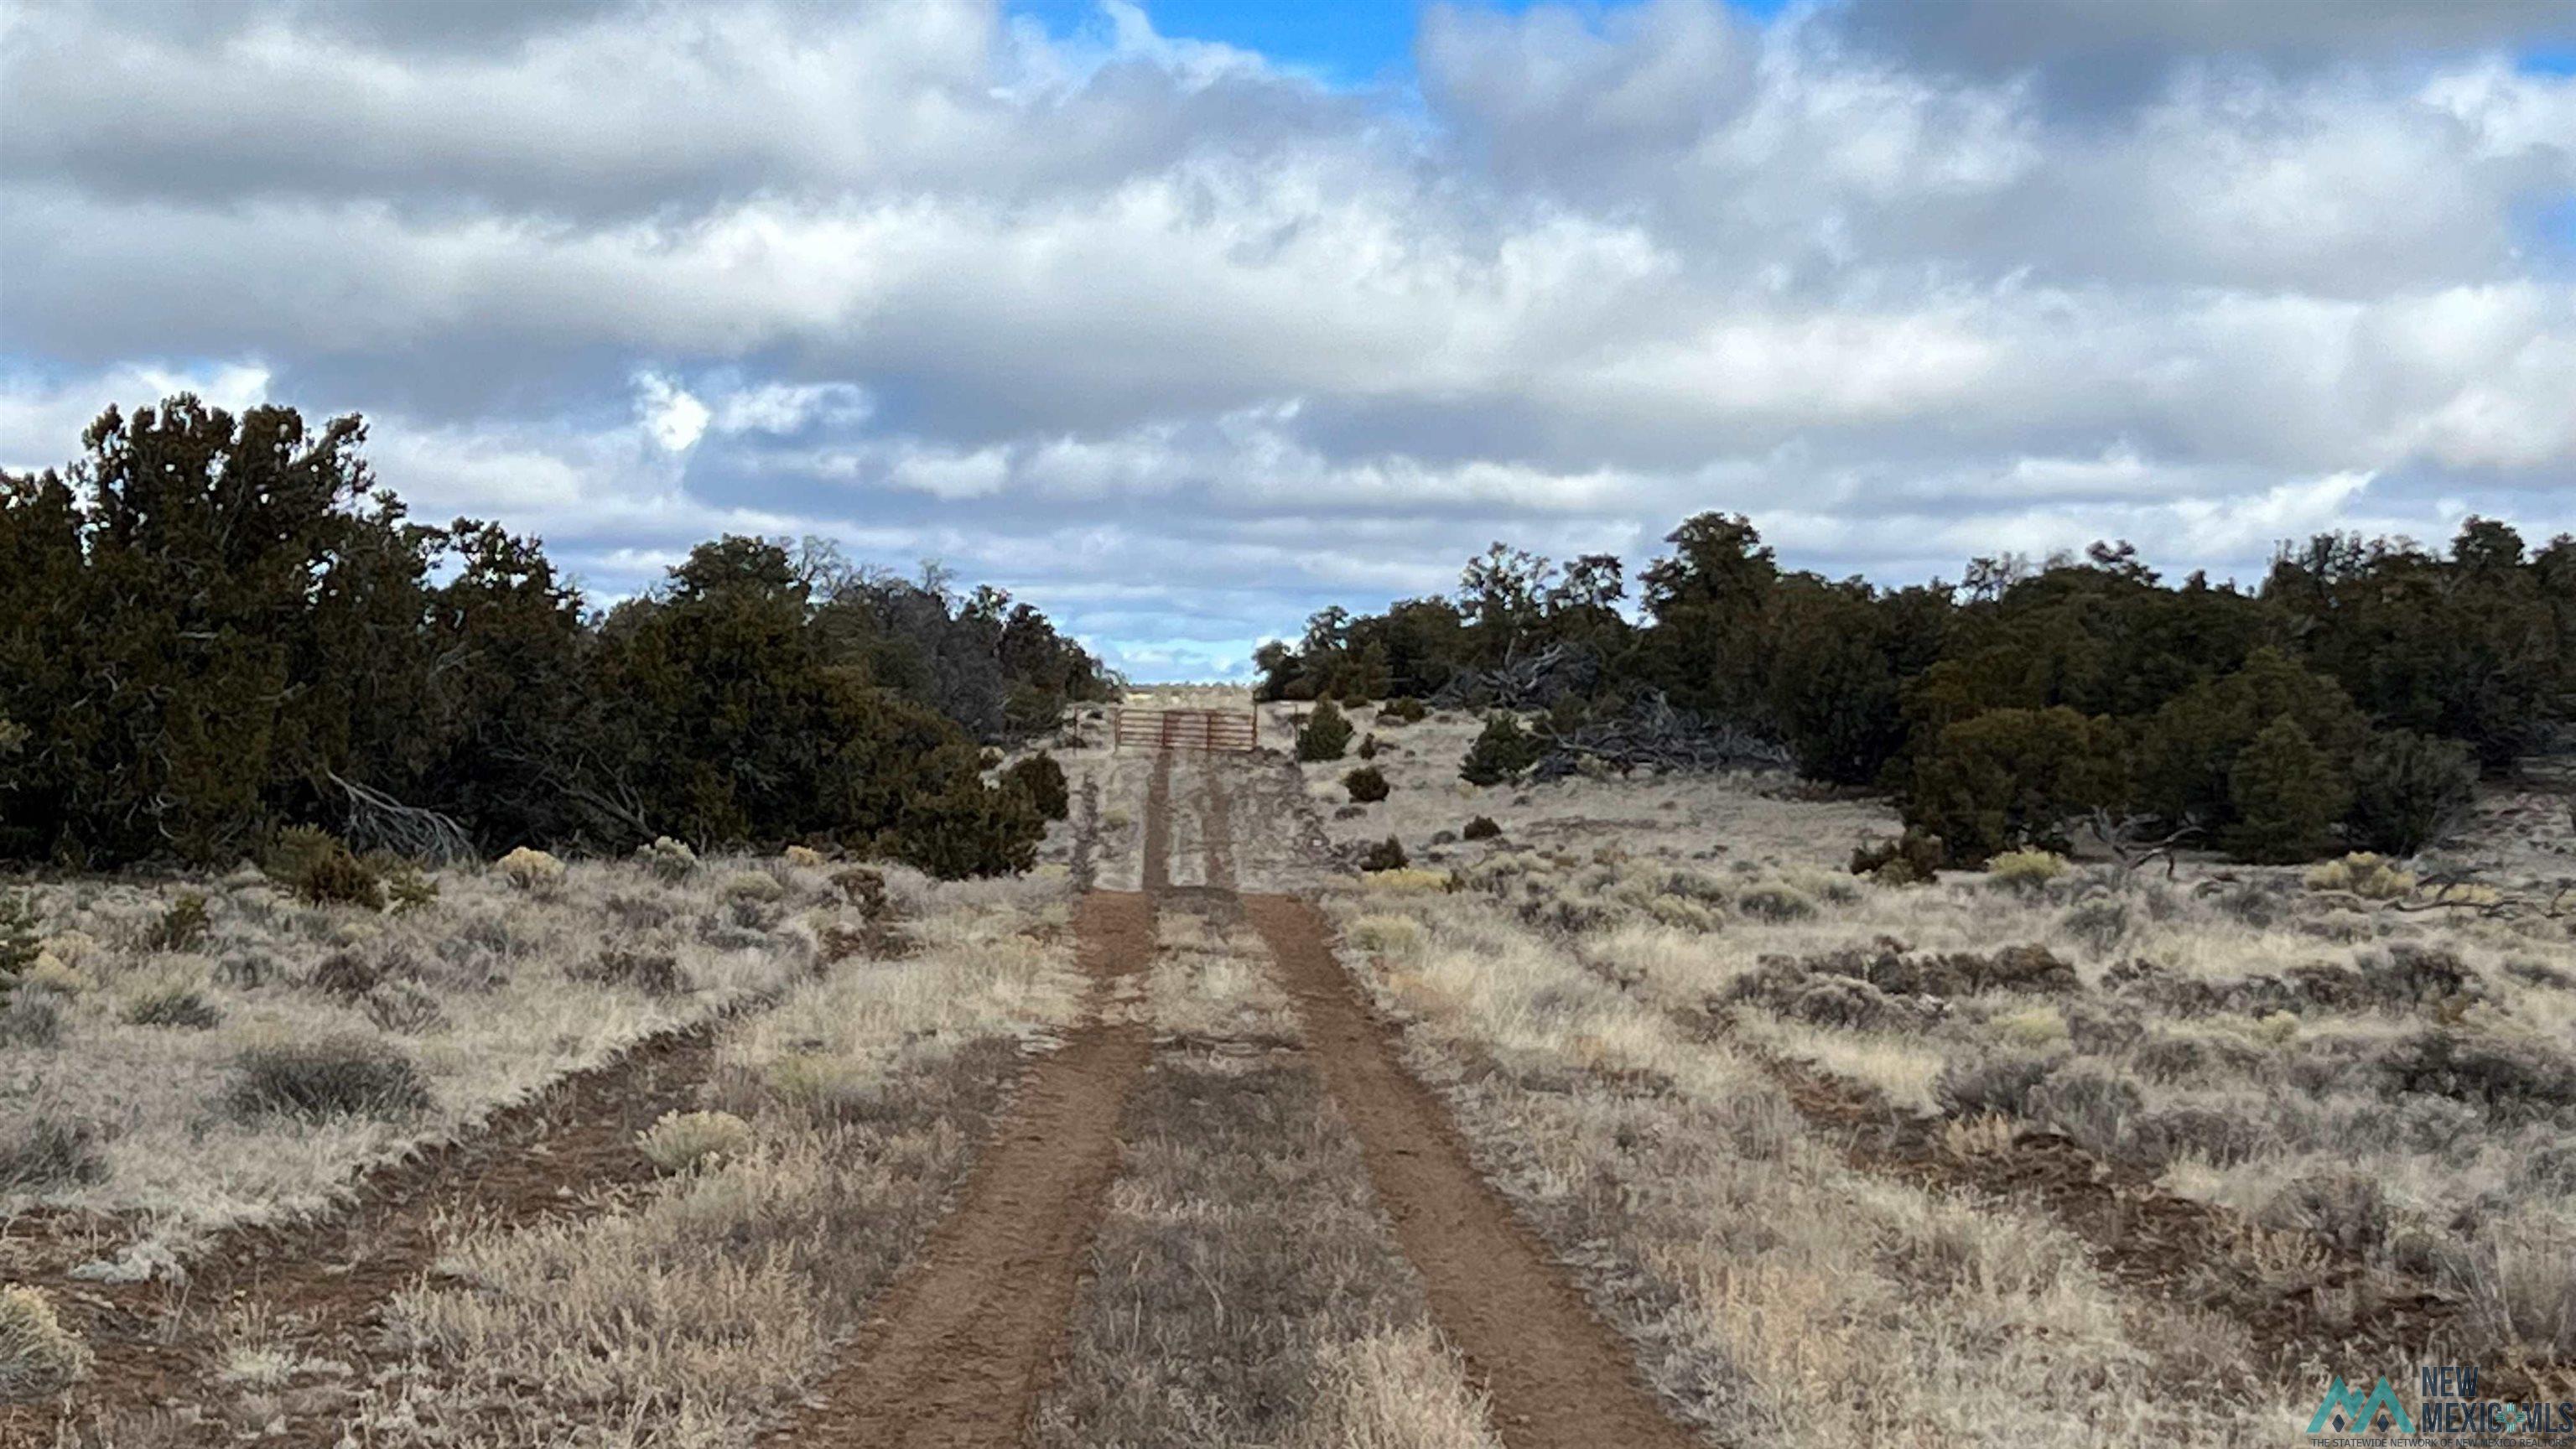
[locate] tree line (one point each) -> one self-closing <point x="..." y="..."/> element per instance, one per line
<point x="213" y="628"/>
<point x="2347" y="701"/>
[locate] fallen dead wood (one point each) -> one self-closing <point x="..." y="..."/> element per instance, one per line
<point x="1654" y="736"/>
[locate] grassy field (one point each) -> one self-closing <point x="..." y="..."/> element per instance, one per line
<point x="2063" y="1153"/>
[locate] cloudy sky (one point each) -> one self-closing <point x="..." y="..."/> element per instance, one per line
<point x="1183" y="319"/>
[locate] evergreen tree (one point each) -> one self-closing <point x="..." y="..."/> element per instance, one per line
<point x="1325" y="735"/>
<point x="2407" y="789"/>
<point x="1503" y="751"/>
<point x="2287" y="796"/>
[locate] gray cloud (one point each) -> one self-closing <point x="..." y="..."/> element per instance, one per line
<point x="2092" y="55"/>
<point x="1184" y="345"/>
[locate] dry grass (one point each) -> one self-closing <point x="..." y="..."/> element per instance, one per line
<point x="2257" y="1039"/>
<point x="2249" y="1040"/>
<point x="1773" y="1292"/>
<point x="1428" y="806"/>
<point x="487" y="993"/>
<point x="1245" y="1290"/>
<point x="848" y="1116"/>
<point x="1210" y="985"/>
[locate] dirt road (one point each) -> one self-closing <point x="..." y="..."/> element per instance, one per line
<point x="967" y="1339"/>
<point x="964" y="1347"/>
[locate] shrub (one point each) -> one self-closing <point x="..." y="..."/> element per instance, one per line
<point x="181" y="926"/>
<point x="1387" y="854"/>
<point x="2014" y="777"/>
<point x="1913" y="858"/>
<point x="966" y="828"/>
<point x="2364" y="874"/>
<point x="2188" y="750"/>
<point x="1041" y="779"/>
<point x="346" y="974"/>
<point x="52" y="973"/>
<point x="2222" y="1137"/>
<point x="37" y="1152"/>
<point x="2347" y="1209"/>
<point x="174" y="1004"/>
<point x="1842" y="1001"/>
<point x="532" y="870"/>
<point x="2088" y="1103"/>
<point x="684" y="1140"/>
<point x="17" y="938"/>
<point x="667" y="860"/>
<point x="402" y="1006"/>
<point x="1366" y="784"/>
<point x="824" y="1085"/>
<point x="1480" y="828"/>
<point x="2024" y="870"/>
<point x="32" y="1018"/>
<point x="1503" y="751"/>
<point x="2517" y="1286"/>
<point x="1776" y="901"/>
<point x="39" y="1358"/>
<point x="2101" y="924"/>
<point x="1325" y="735"/>
<point x="1402" y="710"/>
<point x="655" y="973"/>
<point x="317" y="867"/>
<point x="1388" y="935"/>
<point x="2033" y="1028"/>
<point x="408" y="890"/>
<point x="1996" y="1084"/>
<point x="2287" y="796"/>
<point x="2408" y="790"/>
<point x="330" y="1077"/>
<point x="2505" y="1075"/>
<point x="753" y="885"/>
<point x="637" y="913"/>
<point x="865" y="889"/>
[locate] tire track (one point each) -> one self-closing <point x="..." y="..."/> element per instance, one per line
<point x="967" y="1340"/>
<point x="1216" y="825"/>
<point x="1155" y="872"/>
<point x="1556" y="1376"/>
<point x="328" y="1280"/>
<point x="1086" y="835"/>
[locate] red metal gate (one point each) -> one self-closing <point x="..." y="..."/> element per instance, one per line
<point x="1185" y="729"/>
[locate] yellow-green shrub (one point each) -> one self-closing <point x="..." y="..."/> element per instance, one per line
<point x="39" y="1358"/>
<point x="683" y="1140"/>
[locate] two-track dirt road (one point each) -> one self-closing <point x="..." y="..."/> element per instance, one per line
<point x="967" y="1342"/>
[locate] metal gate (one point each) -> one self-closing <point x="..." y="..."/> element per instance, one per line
<point x="1185" y="729"/>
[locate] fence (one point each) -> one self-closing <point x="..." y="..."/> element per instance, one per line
<point x="1185" y="729"/>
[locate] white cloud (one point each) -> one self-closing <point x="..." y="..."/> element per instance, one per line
<point x="41" y="421"/>
<point x="1128" y="310"/>
<point x="673" y="417"/>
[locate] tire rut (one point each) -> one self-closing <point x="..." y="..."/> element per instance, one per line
<point x="158" y="1343"/>
<point x="1155" y="871"/>
<point x="968" y="1338"/>
<point x="1216" y="825"/>
<point x="1556" y="1377"/>
<point x="2317" y="1303"/>
<point x="1086" y="835"/>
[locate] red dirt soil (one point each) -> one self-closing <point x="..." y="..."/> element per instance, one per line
<point x="966" y="1340"/>
<point x="1557" y="1378"/>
